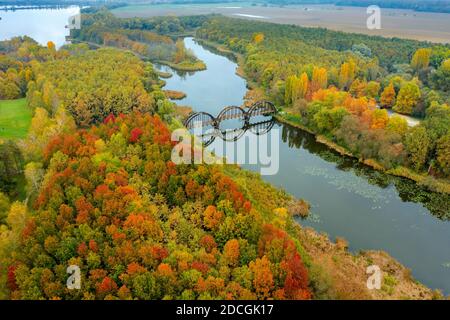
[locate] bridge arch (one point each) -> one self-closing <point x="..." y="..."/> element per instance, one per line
<point x="263" y="108"/>
<point x="203" y="120"/>
<point x="231" y="112"/>
<point x="200" y="118"/>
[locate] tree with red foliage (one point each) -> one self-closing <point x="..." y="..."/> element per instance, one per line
<point x="135" y="134"/>
<point x="11" y="278"/>
<point x="208" y="242"/>
<point x="296" y="281"/>
<point x="109" y="118"/>
<point x="107" y="286"/>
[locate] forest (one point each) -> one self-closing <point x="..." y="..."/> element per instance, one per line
<point x="102" y="193"/>
<point x="92" y="183"/>
<point x="114" y="204"/>
<point x="341" y="86"/>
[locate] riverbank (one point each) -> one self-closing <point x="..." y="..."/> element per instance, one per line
<point x="340" y="273"/>
<point x="433" y="184"/>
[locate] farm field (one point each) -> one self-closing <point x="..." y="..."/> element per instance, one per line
<point x="427" y="26"/>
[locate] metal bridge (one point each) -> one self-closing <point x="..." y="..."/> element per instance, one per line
<point x="205" y="119"/>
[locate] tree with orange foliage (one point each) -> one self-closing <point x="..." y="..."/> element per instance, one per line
<point x="212" y="218"/>
<point x="388" y="96"/>
<point x="356" y="106"/>
<point x="51" y="46"/>
<point x="262" y="277"/>
<point x="231" y="252"/>
<point x="107" y="286"/>
<point x="380" y="119"/>
<point x="258" y="37"/>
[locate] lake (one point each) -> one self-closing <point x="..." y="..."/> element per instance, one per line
<point x="369" y="209"/>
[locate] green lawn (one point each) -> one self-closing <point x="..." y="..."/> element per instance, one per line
<point x="15" y="118"/>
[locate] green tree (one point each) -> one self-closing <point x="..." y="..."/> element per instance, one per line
<point x="441" y="78"/>
<point x="417" y="143"/>
<point x="443" y="154"/>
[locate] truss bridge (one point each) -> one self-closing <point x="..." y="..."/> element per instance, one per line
<point x="205" y="119"/>
<point x="209" y="127"/>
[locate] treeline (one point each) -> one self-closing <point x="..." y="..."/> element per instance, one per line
<point x="389" y="51"/>
<point x="59" y="4"/>
<point x="15" y="67"/>
<point x="340" y="93"/>
<point x="92" y="85"/>
<point x="145" y="37"/>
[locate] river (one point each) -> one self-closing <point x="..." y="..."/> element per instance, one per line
<point x="369" y="209"/>
<point x="42" y="25"/>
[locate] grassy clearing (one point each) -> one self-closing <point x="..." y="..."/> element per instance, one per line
<point x="15" y="118"/>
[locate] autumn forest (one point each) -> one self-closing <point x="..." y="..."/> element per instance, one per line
<point x="91" y="182"/>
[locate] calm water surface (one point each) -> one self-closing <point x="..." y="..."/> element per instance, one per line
<point x="42" y="25"/>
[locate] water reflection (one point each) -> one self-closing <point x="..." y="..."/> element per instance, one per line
<point x="409" y="191"/>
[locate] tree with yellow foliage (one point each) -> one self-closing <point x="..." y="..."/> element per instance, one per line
<point x="397" y="124"/>
<point x="407" y="98"/>
<point x="258" y="37"/>
<point x="347" y="74"/>
<point x="388" y="96"/>
<point x="288" y="89"/>
<point x="319" y="79"/>
<point x="421" y="59"/>
<point x="300" y="87"/>
<point x="358" y="88"/>
<point x="380" y="119"/>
